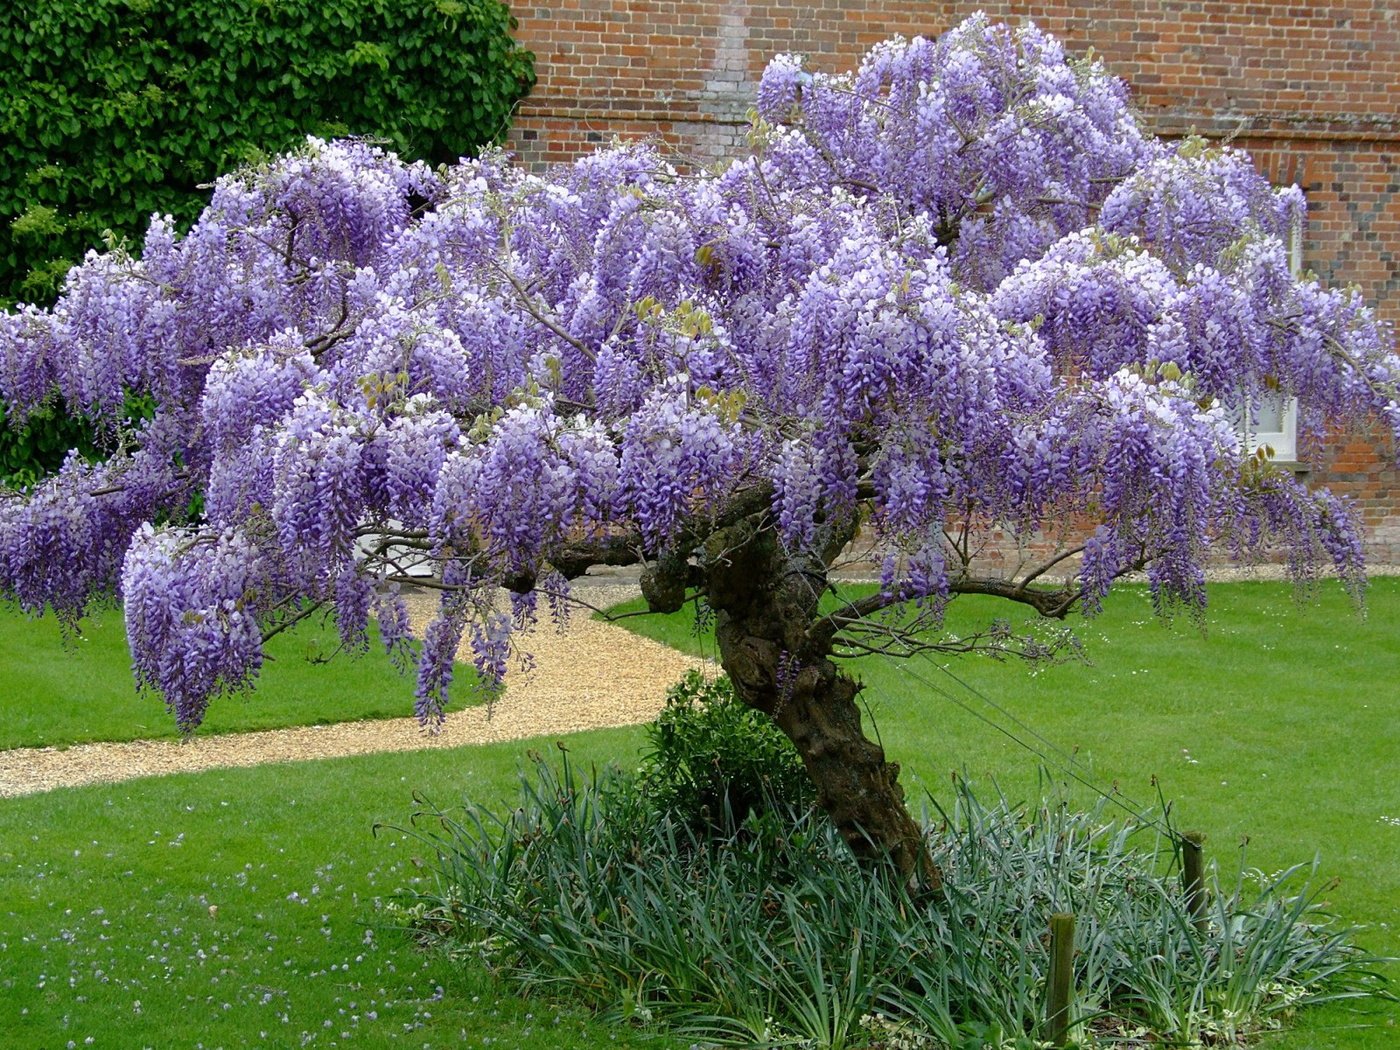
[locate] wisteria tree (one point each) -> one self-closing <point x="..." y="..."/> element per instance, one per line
<point x="955" y="291"/>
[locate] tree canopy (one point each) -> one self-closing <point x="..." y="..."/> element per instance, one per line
<point x="958" y="289"/>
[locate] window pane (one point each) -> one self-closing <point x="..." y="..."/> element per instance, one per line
<point x="1269" y="418"/>
<point x="1274" y="419"/>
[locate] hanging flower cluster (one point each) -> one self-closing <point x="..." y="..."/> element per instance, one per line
<point x="958" y="284"/>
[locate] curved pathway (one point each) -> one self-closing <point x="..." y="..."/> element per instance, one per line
<point x="595" y="675"/>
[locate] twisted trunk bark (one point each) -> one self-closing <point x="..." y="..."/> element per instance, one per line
<point x="765" y="602"/>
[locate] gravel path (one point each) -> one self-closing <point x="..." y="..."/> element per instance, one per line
<point x="595" y="675"/>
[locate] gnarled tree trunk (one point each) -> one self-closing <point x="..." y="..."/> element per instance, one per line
<point x="765" y="601"/>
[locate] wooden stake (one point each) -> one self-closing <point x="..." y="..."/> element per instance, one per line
<point x="1061" y="978"/>
<point x="1193" y="879"/>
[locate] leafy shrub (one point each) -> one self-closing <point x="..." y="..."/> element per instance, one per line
<point x="115" y="109"/>
<point x="713" y="760"/>
<point x="774" y="936"/>
<point x="38" y="448"/>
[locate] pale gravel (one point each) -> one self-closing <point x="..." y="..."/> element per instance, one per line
<point x="595" y="675"/>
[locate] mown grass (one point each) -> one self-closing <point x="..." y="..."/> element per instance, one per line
<point x="56" y="694"/>
<point x="1280" y="725"/>
<point x="107" y="932"/>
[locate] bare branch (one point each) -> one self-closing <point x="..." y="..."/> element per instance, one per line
<point x="428" y="583"/>
<point x="527" y="300"/>
<point x="1037" y="573"/>
<point x="902" y="643"/>
<point x="389" y="532"/>
<point x="108" y="490"/>
<point x="277" y="628"/>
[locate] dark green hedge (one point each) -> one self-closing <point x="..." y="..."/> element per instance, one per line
<point x="37" y="449"/>
<point x="113" y="109"/>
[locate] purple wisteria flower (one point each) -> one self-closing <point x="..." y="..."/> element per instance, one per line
<point x="956" y="290"/>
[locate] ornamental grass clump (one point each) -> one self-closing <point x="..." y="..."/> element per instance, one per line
<point x="769" y="933"/>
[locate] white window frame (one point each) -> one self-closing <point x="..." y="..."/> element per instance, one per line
<point x="1283" y="443"/>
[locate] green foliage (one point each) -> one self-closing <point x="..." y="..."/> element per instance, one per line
<point x="713" y="758"/>
<point x="37" y="448"/>
<point x="115" y="109"/>
<point x="774" y="936"/>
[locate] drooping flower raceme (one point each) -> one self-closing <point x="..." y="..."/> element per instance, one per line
<point x="955" y="290"/>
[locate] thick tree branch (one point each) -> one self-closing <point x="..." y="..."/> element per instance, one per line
<point x="1053" y="604"/>
<point x="573" y="560"/>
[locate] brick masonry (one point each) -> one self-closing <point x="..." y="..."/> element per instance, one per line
<point x="1311" y="90"/>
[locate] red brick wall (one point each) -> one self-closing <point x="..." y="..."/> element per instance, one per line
<point x="1312" y="90"/>
<point x="1362" y="467"/>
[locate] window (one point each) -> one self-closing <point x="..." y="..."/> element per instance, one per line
<point x="1275" y="422"/>
<point x="1275" y="427"/>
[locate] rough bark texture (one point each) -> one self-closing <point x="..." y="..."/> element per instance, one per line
<point x="765" y="601"/>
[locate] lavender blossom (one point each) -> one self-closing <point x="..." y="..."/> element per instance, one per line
<point x="958" y="288"/>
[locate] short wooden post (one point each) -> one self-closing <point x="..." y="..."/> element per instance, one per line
<point x="1061" y="978"/>
<point x="1193" y="879"/>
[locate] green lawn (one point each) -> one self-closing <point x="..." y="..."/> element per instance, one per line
<point x="54" y="694"/>
<point x="107" y="936"/>
<point x="1280" y="724"/>
<point x="106" y="932"/>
